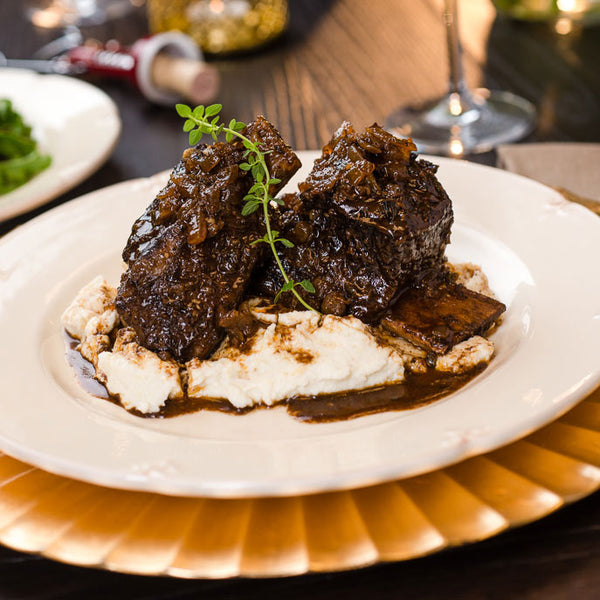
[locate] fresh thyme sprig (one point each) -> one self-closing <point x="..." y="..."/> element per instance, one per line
<point x="205" y="121"/>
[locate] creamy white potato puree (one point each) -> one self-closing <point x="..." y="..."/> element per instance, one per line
<point x="298" y="353"/>
<point x="294" y="353"/>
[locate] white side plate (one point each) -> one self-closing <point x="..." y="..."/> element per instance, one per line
<point x="73" y="121"/>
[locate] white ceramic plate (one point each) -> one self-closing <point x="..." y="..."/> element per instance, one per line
<point x="73" y="121"/>
<point x="541" y="255"/>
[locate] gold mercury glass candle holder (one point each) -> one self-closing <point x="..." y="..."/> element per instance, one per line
<point x="221" y="26"/>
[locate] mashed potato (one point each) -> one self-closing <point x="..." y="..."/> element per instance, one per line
<point x="294" y="353"/>
<point x="298" y="353"/>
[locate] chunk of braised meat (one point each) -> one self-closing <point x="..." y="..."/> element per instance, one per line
<point x="189" y="255"/>
<point x="368" y="220"/>
<point x="438" y="313"/>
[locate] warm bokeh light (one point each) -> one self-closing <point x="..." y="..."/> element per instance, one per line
<point x="575" y="9"/>
<point x="216" y="6"/>
<point x="49" y="18"/>
<point x="454" y="105"/>
<point x="456" y="148"/>
<point x="563" y="26"/>
<point x="566" y="5"/>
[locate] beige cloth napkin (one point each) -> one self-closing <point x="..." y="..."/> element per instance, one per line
<point x="573" y="167"/>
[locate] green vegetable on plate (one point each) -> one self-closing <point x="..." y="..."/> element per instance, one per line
<point x="19" y="157"/>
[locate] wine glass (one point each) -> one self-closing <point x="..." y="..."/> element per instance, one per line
<point x="463" y="121"/>
<point x="61" y="13"/>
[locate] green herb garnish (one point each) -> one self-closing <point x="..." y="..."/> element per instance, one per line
<point x="205" y="121"/>
<point x="19" y="158"/>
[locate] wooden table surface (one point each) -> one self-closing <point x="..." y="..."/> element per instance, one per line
<point x="354" y="60"/>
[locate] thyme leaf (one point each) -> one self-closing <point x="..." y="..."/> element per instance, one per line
<point x="198" y="122"/>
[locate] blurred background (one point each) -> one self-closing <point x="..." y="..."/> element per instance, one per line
<point x="343" y="59"/>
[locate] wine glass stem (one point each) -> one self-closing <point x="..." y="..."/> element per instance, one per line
<point x="457" y="81"/>
<point x="458" y="87"/>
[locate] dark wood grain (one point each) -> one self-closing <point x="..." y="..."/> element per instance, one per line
<point x="355" y="60"/>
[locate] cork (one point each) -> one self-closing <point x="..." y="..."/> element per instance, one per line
<point x="191" y="79"/>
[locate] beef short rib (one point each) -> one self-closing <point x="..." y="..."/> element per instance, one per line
<point x="368" y="220"/>
<point x="189" y="255"/>
<point x="438" y="313"/>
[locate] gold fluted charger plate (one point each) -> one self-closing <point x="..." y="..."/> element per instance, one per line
<point x="146" y="533"/>
<point x="209" y="526"/>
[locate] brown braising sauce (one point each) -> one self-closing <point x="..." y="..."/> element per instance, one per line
<point x="418" y="389"/>
<point x="84" y="371"/>
<point x="415" y="391"/>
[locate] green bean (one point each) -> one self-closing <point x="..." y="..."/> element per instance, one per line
<point x="13" y="146"/>
<point x="19" y="158"/>
<point x="17" y="171"/>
